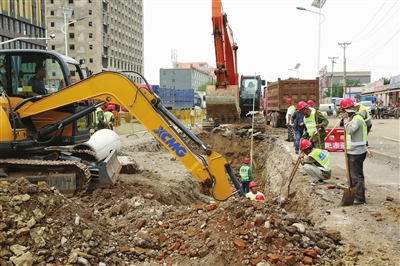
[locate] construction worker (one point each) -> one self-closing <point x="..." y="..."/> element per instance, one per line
<point x="99" y="120"/>
<point x="254" y="194"/>
<point x="109" y="116"/>
<point x="192" y="115"/>
<point x="245" y="174"/>
<point x="356" y="138"/>
<point x="289" y="124"/>
<point x="315" y="124"/>
<point x="317" y="163"/>
<point x="365" y="115"/>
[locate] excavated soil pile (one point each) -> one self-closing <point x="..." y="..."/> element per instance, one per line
<point x="160" y="215"/>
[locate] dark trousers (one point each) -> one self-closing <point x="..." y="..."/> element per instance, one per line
<point x="356" y="165"/>
<point x="298" y="134"/>
<point x="245" y="186"/>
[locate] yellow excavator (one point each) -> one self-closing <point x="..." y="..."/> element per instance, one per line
<point x="43" y="127"/>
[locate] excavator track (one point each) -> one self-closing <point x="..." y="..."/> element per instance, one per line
<point x="86" y="155"/>
<point x="49" y="171"/>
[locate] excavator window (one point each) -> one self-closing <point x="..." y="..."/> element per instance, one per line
<point x="248" y="88"/>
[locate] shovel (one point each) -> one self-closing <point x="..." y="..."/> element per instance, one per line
<point x="349" y="193"/>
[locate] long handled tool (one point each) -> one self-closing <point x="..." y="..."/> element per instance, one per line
<point x="316" y="122"/>
<point x="283" y="200"/>
<point x="349" y="193"/>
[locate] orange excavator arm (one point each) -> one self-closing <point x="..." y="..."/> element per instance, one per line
<point x="225" y="47"/>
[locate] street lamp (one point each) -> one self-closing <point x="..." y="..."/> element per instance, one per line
<point x="296" y="68"/>
<point x="52" y="36"/>
<point x="319" y="4"/>
<point x="64" y="30"/>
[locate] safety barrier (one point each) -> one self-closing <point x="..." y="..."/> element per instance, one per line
<point x="335" y="141"/>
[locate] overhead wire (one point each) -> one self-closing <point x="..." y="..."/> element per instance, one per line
<point x="377" y="12"/>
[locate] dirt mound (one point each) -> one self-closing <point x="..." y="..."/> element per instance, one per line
<point x="161" y="215"/>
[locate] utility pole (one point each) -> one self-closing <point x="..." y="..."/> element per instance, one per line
<point x="333" y="62"/>
<point x="344" y="45"/>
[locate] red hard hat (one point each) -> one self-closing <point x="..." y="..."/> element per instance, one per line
<point x="233" y="189"/>
<point x="346" y="103"/>
<point x="301" y="105"/>
<point x="288" y="100"/>
<point x="111" y="107"/>
<point x="310" y="103"/>
<point x="252" y="184"/>
<point x="305" y="144"/>
<point x="246" y="160"/>
<point x="260" y="197"/>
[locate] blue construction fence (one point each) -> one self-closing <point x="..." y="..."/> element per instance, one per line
<point x="180" y="99"/>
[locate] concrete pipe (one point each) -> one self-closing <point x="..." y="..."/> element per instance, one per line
<point x="102" y="142"/>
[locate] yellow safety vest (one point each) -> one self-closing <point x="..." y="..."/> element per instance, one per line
<point x="362" y="108"/>
<point x="244" y="173"/>
<point x="99" y="114"/>
<point x="310" y="122"/>
<point x="322" y="157"/>
<point x="349" y="138"/>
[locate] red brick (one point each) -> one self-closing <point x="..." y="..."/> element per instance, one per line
<point x="272" y="220"/>
<point x="174" y="246"/>
<point x="124" y="249"/>
<point x="179" y="236"/>
<point x="263" y="230"/>
<point x="199" y="207"/>
<point x="307" y="260"/>
<point x="211" y="207"/>
<point x="311" y="253"/>
<point x="242" y="231"/>
<point x="246" y="225"/>
<point x="257" y="221"/>
<point x="183" y="247"/>
<point x="140" y="224"/>
<point x="191" y="231"/>
<point x="193" y="253"/>
<point x="163" y="238"/>
<point x="182" y="252"/>
<point x="255" y="261"/>
<point x="239" y="244"/>
<point x="274" y="258"/>
<point x="331" y="187"/>
<point x="166" y="226"/>
<point x="289" y="260"/>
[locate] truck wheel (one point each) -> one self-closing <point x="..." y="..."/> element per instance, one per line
<point x="385" y="116"/>
<point x="397" y="114"/>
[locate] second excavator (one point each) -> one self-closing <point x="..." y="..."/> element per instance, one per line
<point x="229" y="101"/>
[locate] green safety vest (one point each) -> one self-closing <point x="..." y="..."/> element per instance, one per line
<point x="349" y="138"/>
<point x="109" y="116"/>
<point x="322" y="157"/>
<point x="362" y="108"/>
<point x="99" y="115"/>
<point x="244" y="173"/>
<point x="310" y="122"/>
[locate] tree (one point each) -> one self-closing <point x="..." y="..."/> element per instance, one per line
<point x="337" y="91"/>
<point x="386" y="81"/>
<point x="203" y="86"/>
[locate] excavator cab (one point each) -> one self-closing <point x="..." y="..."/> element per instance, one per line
<point x="250" y="94"/>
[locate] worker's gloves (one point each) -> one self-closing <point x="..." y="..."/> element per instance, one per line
<point x="343" y="115"/>
<point x="253" y="113"/>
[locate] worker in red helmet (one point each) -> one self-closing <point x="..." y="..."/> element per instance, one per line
<point x="254" y="193"/>
<point x="245" y="174"/>
<point x="310" y="103"/>
<point x="356" y="138"/>
<point x="289" y="123"/>
<point x="317" y="163"/>
<point x="109" y="116"/>
<point x="315" y="124"/>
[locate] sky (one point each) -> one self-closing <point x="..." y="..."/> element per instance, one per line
<point x="273" y="36"/>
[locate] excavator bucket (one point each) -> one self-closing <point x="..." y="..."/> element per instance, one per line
<point x="223" y="104"/>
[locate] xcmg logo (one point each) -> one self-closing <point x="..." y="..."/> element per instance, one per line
<point x="170" y="141"/>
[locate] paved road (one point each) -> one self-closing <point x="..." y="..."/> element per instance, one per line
<point x="384" y="138"/>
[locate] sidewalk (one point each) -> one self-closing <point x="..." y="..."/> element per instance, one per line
<point x="385" y="131"/>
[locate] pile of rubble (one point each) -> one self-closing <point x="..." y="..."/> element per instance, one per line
<point x="119" y="226"/>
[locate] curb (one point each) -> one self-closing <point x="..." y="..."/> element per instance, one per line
<point x="385" y="157"/>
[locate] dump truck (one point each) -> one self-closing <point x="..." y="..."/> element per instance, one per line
<point x="276" y="93"/>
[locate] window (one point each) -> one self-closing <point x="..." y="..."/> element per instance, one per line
<point x="91" y="47"/>
<point x="90" y="35"/>
<point x="90" y="60"/>
<point x="72" y="73"/>
<point x="53" y="74"/>
<point x="90" y="12"/>
<point x="70" y="1"/>
<point x="51" y="24"/>
<point x="90" y="24"/>
<point x="72" y="46"/>
<point x="89" y="1"/>
<point x="71" y="35"/>
<point x="53" y="47"/>
<point x="52" y="13"/>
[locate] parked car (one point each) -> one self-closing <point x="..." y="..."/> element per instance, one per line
<point x="368" y="105"/>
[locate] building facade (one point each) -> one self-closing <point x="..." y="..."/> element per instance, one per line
<point x="182" y="78"/>
<point x="24" y="21"/>
<point x="108" y="34"/>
